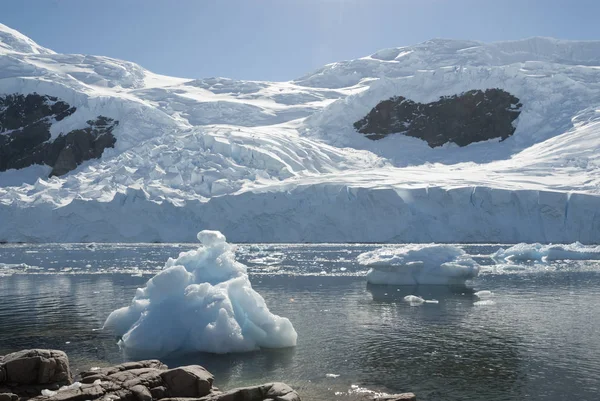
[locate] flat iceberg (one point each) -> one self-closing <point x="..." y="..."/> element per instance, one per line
<point x="544" y="253"/>
<point x="419" y="264"/>
<point x="201" y="301"/>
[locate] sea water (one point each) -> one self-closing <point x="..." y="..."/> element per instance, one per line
<point x="525" y="330"/>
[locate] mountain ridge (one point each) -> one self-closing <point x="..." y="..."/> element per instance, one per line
<point x="281" y="161"/>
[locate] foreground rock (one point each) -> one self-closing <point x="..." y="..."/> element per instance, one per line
<point x="463" y="119"/>
<point x="44" y="375"/>
<point x="26" y="373"/>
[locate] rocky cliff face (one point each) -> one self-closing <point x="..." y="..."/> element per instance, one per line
<point x="472" y="116"/>
<point x="25" y="137"/>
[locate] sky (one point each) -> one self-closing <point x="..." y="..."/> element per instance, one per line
<point x="280" y="40"/>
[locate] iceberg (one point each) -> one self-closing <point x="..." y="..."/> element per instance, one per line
<point x="201" y="301"/>
<point x="419" y="264"/>
<point x="544" y="253"/>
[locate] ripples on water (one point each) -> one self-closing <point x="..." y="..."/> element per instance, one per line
<point x="539" y="340"/>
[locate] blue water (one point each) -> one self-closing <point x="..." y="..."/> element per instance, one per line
<point x="539" y="340"/>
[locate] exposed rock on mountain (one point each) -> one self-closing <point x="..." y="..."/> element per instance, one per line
<point x="25" y="137"/>
<point x="473" y="116"/>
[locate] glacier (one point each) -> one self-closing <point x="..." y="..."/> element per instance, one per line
<point x="201" y="301"/>
<point x="281" y="162"/>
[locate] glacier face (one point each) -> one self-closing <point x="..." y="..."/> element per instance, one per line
<point x="281" y="161"/>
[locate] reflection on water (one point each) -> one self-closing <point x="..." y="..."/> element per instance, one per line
<point x="539" y="341"/>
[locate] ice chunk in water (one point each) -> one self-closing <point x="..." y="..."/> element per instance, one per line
<point x="414" y="300"/>
<point x="485" y="302"/>
<point x="419" y="264"/>
<point x="544" y="253"/>
<point x="201" y="301"/>
<point x="484" y="294"/>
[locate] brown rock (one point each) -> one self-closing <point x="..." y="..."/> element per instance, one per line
<point x="36" y="366"/>
<point x="188" y="381"/>
<point x="266" y="392"/>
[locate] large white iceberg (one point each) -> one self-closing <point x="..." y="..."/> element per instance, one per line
<point x="539" y="252"/>
<point x="419" y="264"/>
<point x="201" y="301"/>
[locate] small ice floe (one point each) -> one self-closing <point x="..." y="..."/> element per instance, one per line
<point x="485" y="302"/>
<point x="419" y="264"/>
<point x="355" y="389"/>
<point x="483" y="294"/>
<point x="267" y="260"/>
<point x="415" y="300"/>
<point x="537" y="252"/>
<point x="332" y="375"/>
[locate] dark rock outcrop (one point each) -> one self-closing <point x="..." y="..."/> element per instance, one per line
<point x="25" y="137"/>
<point x="472" y="116"/>
<point x="26" y="373"/>
<point x="44" y="375"/>
<point x="266" y="392"/>
<point x="137" y="381"/>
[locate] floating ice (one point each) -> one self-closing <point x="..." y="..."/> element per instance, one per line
<point x="484" y="294"/>
<point x="201" y="301"/>
<point x="414" y="300"/>
<point x="527" y="252"/>
<point x="419" y="264"/>
<point x="267" y="260"/>
<point x="485" y="302"/>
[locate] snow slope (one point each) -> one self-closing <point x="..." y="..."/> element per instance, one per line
<point x="280" y="161"/>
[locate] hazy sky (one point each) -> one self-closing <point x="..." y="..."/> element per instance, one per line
<point x="280" y="39"/>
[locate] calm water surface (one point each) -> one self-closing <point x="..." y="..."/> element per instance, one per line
<point x="539" y="340"/>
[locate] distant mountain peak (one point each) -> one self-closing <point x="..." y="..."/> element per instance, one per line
<point x="14" y="41"/>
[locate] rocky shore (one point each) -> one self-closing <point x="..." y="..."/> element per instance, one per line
<point x="45" y="375"/>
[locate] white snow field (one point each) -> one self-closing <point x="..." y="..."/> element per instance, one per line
<point x="416" y="264"/>
<point x="281" y="161"/>
<point x="201" y="301"/>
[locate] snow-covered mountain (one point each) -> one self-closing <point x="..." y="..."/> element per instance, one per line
<point x="282" y="161"/>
